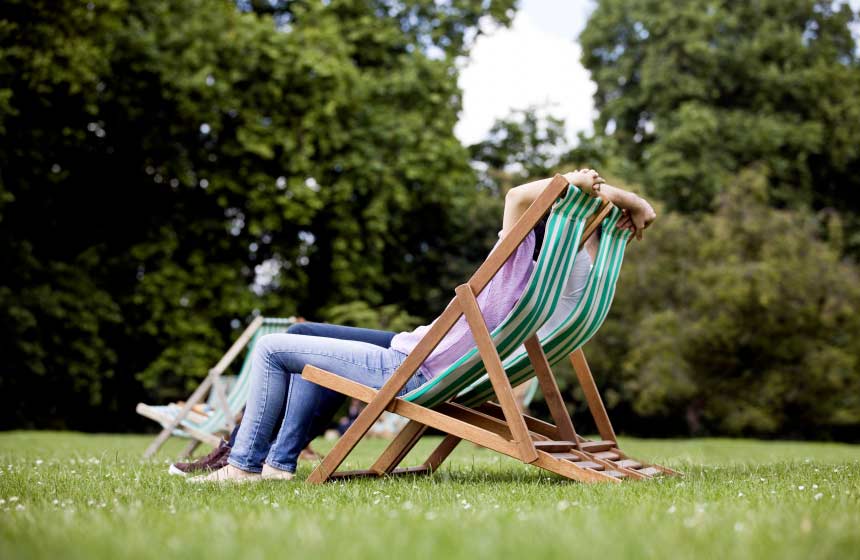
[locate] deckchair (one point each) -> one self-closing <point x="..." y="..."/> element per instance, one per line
<point x="499" y="427"/>
<point x="181" y="421"/>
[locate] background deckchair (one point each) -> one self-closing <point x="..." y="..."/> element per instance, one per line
<point x="179" y="420"/>
<point x="427" y="406"/>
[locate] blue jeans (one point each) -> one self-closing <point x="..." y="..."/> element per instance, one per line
<point x="330" y="401"/>
<point x="277" y="385"/>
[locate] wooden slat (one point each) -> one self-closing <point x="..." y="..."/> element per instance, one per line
<point x="412" y="411"/>
<point x="537" y="426"/>
<point x="601" y="445"/>
<point x="628" y="464"/>
<point x="608" y="455"/>
<point x="371" y="473"/>
<point x="441" y="452"/>
<point x="595" y="221"/>
<point x="578" y="460"/>
<point x="496" y="373"/>
<point x="616" y="474"/>
<point x="570" y="470"/>
<point x="551" y="446"/>
<point x="485" y="421"/>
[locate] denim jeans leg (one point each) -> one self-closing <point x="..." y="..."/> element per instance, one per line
<point x="289" y="353"/>
<point x="263" y="410"/>
<point x="305" y="400"/>
<point x="371" y="336"/>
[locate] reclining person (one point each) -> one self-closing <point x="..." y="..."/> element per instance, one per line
<point x="284" y="410"/>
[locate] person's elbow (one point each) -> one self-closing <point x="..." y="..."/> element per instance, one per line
<point x="516" y="197"/>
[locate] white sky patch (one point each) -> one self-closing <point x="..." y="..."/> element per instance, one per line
<point x="536" y="62"/>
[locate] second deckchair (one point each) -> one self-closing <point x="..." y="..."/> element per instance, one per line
<point x="178" y="420"/>
<point x="509" y="433"/>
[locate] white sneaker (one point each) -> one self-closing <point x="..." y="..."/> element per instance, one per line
<point x="272" y="473"/>
<point x="228" y="474"/>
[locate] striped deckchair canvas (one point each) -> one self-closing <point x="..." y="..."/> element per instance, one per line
<point x="564" y="230"/>
<point x="580" y="326"/>
<point x="499" y="427"/>
<point x="225" y="406"/>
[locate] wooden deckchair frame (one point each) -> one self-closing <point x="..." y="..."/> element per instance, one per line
<point x="212" y="381"/>
<point x="501" y="427"/>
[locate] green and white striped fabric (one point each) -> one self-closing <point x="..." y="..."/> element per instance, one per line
<point x="238" y="395"/>
<point x="563" y="233"/>
<point x="580" y="326"/>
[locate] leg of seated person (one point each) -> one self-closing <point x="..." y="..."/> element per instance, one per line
<point x="371" y="336"/>
<point x="276" y="358"/>
<point x="333" y="399"/>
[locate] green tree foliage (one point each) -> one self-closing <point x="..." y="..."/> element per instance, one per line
<point x="170" y="168"/>
<point x="693" y="92"/>
<point x="741" y="322"/>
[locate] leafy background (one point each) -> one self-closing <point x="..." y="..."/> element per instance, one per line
<point x="170" y="169"/>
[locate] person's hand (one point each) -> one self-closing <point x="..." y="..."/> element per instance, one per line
<point x="585" y="179"/>
<point x="637" y="218"/>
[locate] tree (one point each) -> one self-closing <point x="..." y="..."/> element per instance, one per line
<point x="171" y="168"/>
<point x="694" y="92"/>
<point x="740" y="323"/>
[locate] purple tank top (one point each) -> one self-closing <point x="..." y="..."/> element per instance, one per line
<point x="496" y="301"/>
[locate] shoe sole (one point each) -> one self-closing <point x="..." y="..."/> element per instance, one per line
<point x="174" y="471"/>
<point x="201" y="480"/>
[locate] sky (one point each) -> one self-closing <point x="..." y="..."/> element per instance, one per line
<point x="534" y="62"/>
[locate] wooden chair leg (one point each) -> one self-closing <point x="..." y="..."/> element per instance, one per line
<point x="592" y="395"/>
<point x="189" y="449"/>
<point x="386" y="395"/>
<point x="167" y="431"/>
<point x="442" y="451"/>
<point x="399" y="447"/>
<point x="549" y="387"/>
<point x="496" y="372"/>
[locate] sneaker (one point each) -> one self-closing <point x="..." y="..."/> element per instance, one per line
<point x="310" y="454"/>
<point x="228" y="474"/>
<point x="273" y="473"/>
<point x="212" y="462"/>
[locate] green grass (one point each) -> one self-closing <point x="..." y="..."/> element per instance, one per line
<point x="67" y="495"/>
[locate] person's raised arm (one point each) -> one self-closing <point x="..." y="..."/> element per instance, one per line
<point x="520" y="198"/>
<point x="638" y="213"/>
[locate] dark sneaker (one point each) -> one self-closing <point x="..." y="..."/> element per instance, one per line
<point x="212" y="462"/>
<point x="310" y="454"/>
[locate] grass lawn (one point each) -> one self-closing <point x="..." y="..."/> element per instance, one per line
<point x="68" y="495"/>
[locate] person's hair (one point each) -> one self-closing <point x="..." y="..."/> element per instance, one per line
<point x="540" y="232"/>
